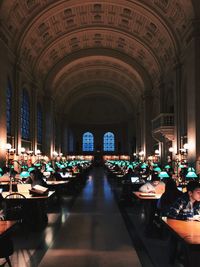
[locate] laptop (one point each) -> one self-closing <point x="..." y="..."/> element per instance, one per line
<point x="23" y="188"/>
<point x="66" y="175"/>
<point x="134" y="179"/>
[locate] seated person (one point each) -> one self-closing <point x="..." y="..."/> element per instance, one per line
<point x="36" y="178"/>
<point x="6" y="175"/>
<point x="154" y="186"/>
<point x="56" y="175"/>
<point x="128" y="175"/>
<point x="170" y="195"/>
<point x="187" y="206"/>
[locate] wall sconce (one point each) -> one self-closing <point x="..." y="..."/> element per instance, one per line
<point x="8" y="146"/>
<point x="55" y="154"/>
<point x="38" y="152"/>
<point x="186" y="146"/>
<point x="157" y="155"/>
<point x="141" y="155"/>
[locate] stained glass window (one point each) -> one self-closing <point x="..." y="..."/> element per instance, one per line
<point x="109" y="142"/>
<point x="39" y="124"/>
<point x="25" y="116"/>
<point x="8" y="107"/>
<point x="88" y="142"/>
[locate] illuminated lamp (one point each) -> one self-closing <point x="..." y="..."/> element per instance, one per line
<point x="163" y="174"/>
<point x="24" y="174"/>
<point x="191" y="175"/>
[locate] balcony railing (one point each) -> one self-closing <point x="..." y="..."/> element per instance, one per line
<point x="163" y="120"/>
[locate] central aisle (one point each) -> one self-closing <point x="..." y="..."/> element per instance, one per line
<point x="94" y="234"/>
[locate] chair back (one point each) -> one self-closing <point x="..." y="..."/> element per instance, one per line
<point x="15" y="195"/>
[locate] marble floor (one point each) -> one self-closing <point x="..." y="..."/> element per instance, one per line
<point x="85" y="230"/>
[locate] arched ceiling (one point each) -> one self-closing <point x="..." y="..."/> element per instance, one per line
<point x="97" y="109"/>
<point x="73" y="46"/>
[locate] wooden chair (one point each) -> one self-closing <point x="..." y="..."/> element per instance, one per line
<point x="14" y="206"/>
<point x="6" y="249"/>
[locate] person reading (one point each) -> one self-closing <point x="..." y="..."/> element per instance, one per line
<point x="187" y="207"/>
<point x="154" y="186"/>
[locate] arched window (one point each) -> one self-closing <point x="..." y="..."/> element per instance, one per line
<point x="25" y="116"/>
<point x="8" y="107"/>
<point x="88" y="142"/>
<point x="39" y="124"/>
<point x="109" y="142"/>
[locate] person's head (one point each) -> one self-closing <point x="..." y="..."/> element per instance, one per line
<point x="193" y="189"/>
<point x="33" y="175"/>
<point x="170" y="185"/>
<point x="130" y="170"/>
<point x="155" y="179"/>
<point x="5" y="169"/>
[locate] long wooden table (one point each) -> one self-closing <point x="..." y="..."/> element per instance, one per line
<point x="187" y="232"/>
<point x="5" y="226"/>
<point x="28" y="196"/>
<point x="147" y="196"/>
<point x="148" y="202"/>
<point x="33" y="209"/>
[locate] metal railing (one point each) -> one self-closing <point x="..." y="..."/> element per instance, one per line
<point x="163" y="120"/>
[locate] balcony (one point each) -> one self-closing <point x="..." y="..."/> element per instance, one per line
<point x="163" y="127"/>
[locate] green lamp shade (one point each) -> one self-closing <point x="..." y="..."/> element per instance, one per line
<point x="191" y="169"/>
<point x="31" y="169"/>
<point x="49" y="169"/>
<point x="144" y="166"/>
<point x="182" y="166"/>
<point x="191" y="175"/>
<point x="1" y="170"/>
<point x="155" y="165"/>
<point x="37" y="164"/>
<point x="24" y="174"/>
<point x="62" y="166"/>
<point x="167" y="167"/>
<point x="157" y="169"/>
<point x="130" y="166"/>
<point x="163" y="175"/>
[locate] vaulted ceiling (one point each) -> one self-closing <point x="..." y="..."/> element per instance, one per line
<point x="110" y="48"/>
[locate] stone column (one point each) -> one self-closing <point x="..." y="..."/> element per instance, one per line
<point x="49" y="121"/>
<point x="130" y="131"/>
<point x="34" y="117"/>
<point x="138" y="132"/>
<point x="58" y="133"/>
<point x="177" y="106"/>
<point x="147" y="127"/>
<point x="64" y="135"/>
<point x="17" y="109"/>
<point x="3" y="129"/>
<point x="192" y="65"/>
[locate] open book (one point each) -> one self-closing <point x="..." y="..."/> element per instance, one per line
<point x="39" y="190"/>
<point x="147" y="194"/>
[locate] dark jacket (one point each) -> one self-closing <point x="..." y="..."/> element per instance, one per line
<point x="182" y="209"/>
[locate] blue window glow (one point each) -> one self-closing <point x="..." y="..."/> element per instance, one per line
<point x="39" y="124"/>
<point x="88" y="142"/>
<point x="8" y="107"/>
<point x="25" y="116"/>
<point x="109" y="142"/>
